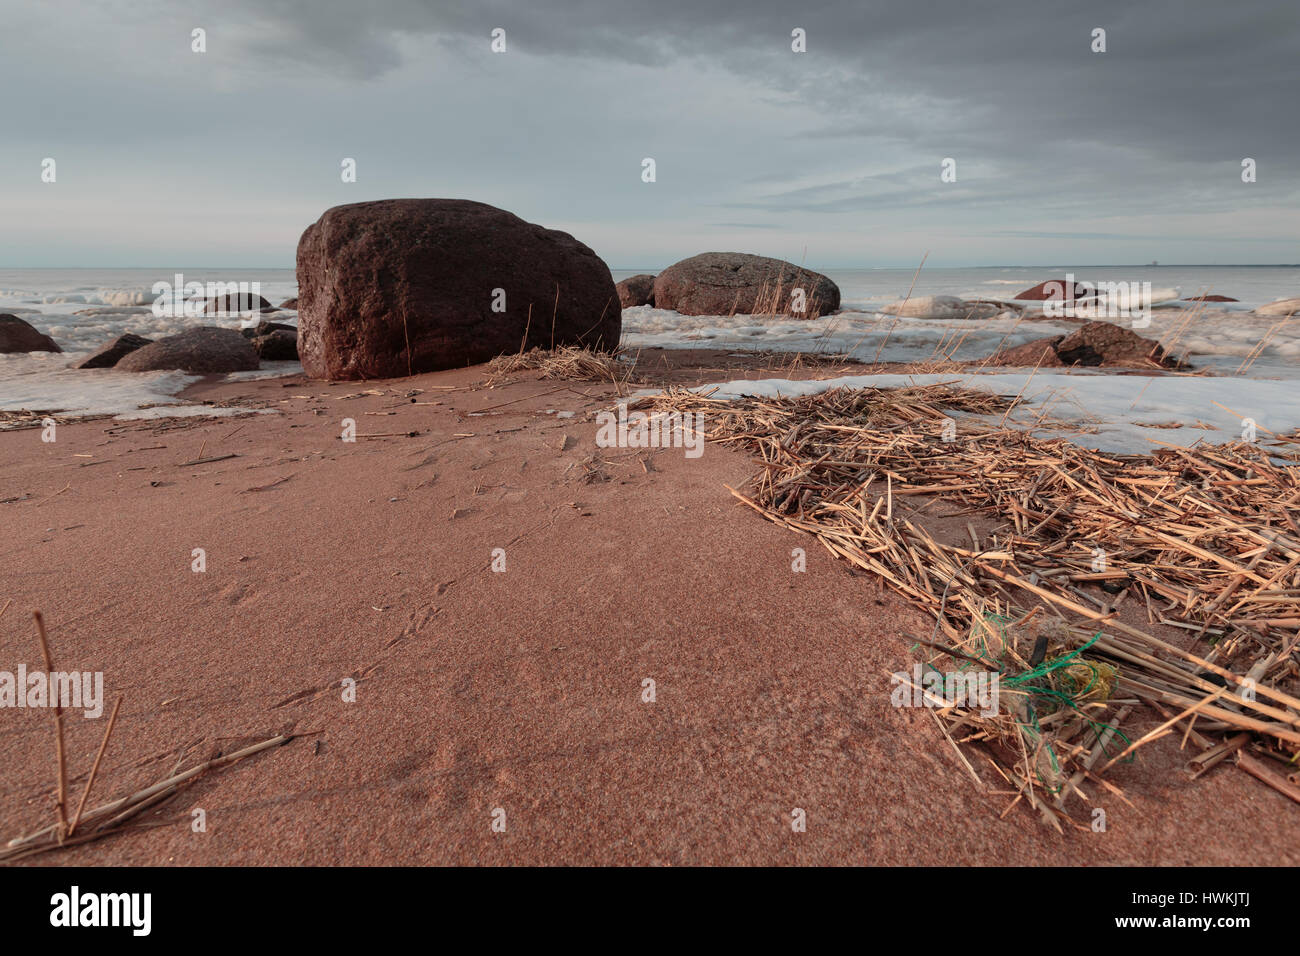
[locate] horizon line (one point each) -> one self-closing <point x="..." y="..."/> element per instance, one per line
<point x="1012" y="265"/>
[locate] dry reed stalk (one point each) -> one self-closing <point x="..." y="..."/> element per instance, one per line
<point x="94" y="770"/>
<point x="60" y="754"/>
<point x="109" y="817"/>
<point x="1261" y="771"/>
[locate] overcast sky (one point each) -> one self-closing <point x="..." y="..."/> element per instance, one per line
<point x="1063" y="156"/>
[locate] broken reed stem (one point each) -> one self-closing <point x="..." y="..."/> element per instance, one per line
<point x="555" y="310"/>
<point x="120" y="809"/>
<point x="1262" y="772"/>
<point x="407" y="333"/>
<point x="527" y="325"/>
<point x="58" y="728"/>
<point x="94" y="770"/>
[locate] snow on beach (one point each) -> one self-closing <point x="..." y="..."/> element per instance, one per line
<point x="1124" y="410"/>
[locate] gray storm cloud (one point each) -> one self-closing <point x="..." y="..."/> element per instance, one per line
<point x="832" y="149"/>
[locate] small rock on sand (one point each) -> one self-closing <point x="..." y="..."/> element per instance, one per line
<point x="266" y="328"/>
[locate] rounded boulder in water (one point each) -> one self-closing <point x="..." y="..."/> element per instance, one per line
<point x="277" y="345"/>
<point x="727" y="283"/>
<point x="203" y="350"/>
<point x="238" y="302"/>
<point x="109" y="355"/>
<point x="17" y="335"/>
<point x="636" y="290"/>
<point x="1057" y="290"/>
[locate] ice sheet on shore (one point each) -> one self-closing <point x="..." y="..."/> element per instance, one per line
<point x="51" y="386"/>
<point x="46" y="383"/>
<point x="1212" y="338"/>
<point x="1123" y="408"/>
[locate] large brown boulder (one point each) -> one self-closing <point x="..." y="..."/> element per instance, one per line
<point x="203" y="350"/>
<point x="636" y="290"/>
<point x="116" y="350"/>
<point x="401" y="286"/>
<point x="1091" y="344"/>
<point x="726" y="283"/>
<point x="19" y="336"/>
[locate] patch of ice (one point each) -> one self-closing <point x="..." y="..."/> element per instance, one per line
<point x="49" y="382"/>
<point x="53" y="387"/>
<point x="1122" y="407"/>
<point x="1219" y="339"/>
<point x="268" y="370"/>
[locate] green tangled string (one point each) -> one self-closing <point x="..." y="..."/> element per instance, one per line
<point x="1028" y="682"/>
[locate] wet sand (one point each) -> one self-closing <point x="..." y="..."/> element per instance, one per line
<point x="519" y="690"/>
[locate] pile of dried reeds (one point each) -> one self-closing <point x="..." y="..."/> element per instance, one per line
<point x="28" y="418"/>
<point x="565" y="362"/>
<point x="1202" y="541"/>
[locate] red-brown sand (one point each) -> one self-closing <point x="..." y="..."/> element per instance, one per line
<point x="479" y="690"/>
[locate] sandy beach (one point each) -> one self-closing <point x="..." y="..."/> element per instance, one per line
<point x="584" y="438"/>
<point x="483" y="695"/>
